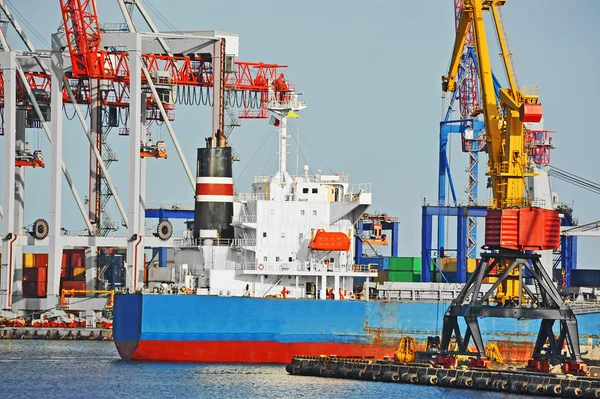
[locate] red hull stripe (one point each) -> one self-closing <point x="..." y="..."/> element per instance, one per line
<point x="214" y="189"/>
<point x="243" y="351"/>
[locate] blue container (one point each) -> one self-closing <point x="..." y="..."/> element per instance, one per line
<point x="103" y="260"/>
<point x="585" y="278"/>
<point x="117" y="261"/>
<point x="114" y="276"/>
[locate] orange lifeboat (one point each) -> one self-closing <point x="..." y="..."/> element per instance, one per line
<point x="330" y="241"/>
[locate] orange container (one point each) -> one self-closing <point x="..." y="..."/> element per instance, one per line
<point x="42" y="288"/>
<point x="41" y="260"/>
<point x="77" y="258"/>
<point x="42" y="273"/>
<point x="73" y="285"/>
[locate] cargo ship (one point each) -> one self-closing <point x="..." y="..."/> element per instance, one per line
<point x="271" y="273"/>
<point x="230" y="329"/>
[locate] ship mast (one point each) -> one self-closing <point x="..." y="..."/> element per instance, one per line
<point x="284" y="106"/>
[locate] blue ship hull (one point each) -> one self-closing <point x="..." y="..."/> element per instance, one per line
<point x="261" y="330"/>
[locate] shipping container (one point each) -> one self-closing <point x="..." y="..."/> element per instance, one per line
<point x="30" y="274"/>
<point x="79" y="274"/>
<point x="41" y="260"/>
<point x="404" y="264"/>
<point x="401" y="276"/>
<point x="114" y="276"/>
<point x="585" y="278"/>
<point x="42" y="273"/>
<point x="382" y="276"/>
<point x="34" y="289"/>
<point x="117" y="261"/>
<point x="451" y="264"/>
<point x="28" y="260"/>
<point x="73" y="285"/>
<point x="77" y="258"/>
<point x="34" y="274"/>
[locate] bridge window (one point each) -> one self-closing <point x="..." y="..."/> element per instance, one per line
<point x="315" y="190"/>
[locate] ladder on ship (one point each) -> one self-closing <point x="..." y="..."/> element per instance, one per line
<point x="278" y="280"/>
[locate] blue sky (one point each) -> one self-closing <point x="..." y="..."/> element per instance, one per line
<point x="371" y="73"/>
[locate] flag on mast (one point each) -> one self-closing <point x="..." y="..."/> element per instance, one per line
<point x="274" y="121"/>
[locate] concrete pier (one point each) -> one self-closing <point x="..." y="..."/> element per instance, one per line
<point x="512" y="381"/>
<point x="87" y="334"/>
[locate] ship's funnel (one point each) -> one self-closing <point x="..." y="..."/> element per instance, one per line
<point x="214" y="192"/>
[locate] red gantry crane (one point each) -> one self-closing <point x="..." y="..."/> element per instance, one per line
<point x="92" y="65"/>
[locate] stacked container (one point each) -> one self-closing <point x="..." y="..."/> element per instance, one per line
<point x="449" y="267"/>
<point x="404" y="269"/>
<point x="74" y="270"/>
<point x="35" y="275"/>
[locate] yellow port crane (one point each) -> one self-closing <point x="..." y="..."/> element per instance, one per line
<point x="504" y="118"/>
<point x="514" y="225"/>
<point x="508" y="163"/>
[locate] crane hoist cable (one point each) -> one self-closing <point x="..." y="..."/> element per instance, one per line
<point x="574" y="180"/>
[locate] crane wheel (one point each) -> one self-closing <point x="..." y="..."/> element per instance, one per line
<point x="164" y="231"/>
<point x="40" y="229"/>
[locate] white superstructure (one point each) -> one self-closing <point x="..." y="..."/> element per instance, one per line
<point x="274" y="226"/>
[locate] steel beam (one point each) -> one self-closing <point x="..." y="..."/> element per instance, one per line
<point x="134" y="234"/>
<point x="218" y="115"/>
<point x="9" y="233"/>
<point x="56" y="244"/>
<point x="547" y="306"/>
<point x="98" y="157"/>
<point x="426" y="230"/>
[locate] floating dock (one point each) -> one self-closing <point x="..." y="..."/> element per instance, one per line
<point x="84" y="334"/>
<point x="512" y="381"/>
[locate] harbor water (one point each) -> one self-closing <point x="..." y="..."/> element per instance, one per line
<point x="82" y="369"/>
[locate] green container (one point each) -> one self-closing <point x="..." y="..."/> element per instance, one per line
<point x="400" y="277"/>
<point x="416" y="277"/>
<point x="405" y="264"/>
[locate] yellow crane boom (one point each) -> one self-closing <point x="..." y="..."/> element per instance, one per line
<point x="508" y="163"/>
